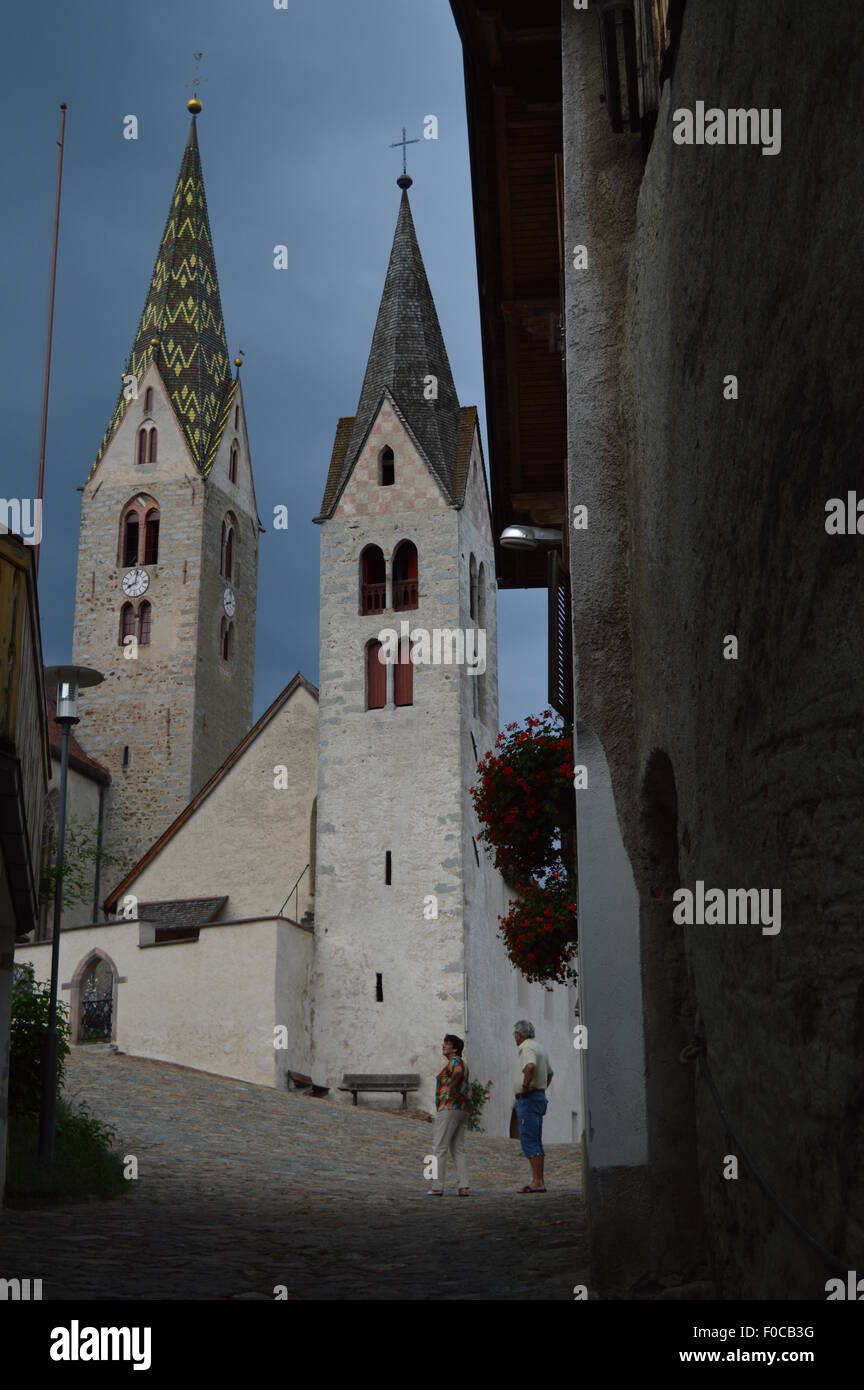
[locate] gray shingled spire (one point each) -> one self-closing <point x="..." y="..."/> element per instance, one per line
<point x="408" y="347"/>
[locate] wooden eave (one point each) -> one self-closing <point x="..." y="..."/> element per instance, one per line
<point x="512" y="54"/>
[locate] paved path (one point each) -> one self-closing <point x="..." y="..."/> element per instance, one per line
<point x="242" y="1188"/>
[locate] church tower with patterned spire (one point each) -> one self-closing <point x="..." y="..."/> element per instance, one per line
<point x="168" y="552"/>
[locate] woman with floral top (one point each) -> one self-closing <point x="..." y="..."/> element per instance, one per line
<point x="453" y="1108"/>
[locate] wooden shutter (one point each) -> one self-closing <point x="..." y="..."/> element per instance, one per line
<point x="130" y="540"/>
<point x="151" y="539"/>
<point x="403" y="676"/>
<point x="144" y="615"/>
<point x="376" y="678"/>
<point x="560" y="639"/>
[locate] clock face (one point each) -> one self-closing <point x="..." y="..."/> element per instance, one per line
<point x="135" y="583"/>
<point x="229" y="602"/>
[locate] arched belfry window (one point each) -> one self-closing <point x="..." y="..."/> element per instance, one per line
<point x="139" y="532"/>
<point x="376" y="677"/>
<point x="148" y="400"/>
<point x="403" y="676"/>
<point x="232" y="465"/>
<point x="131" y="529"/>
<point x="480" y="679"/>
<point x="228" y="556"/>
<point x="472" y="587"/>
<point x="373" y="580"/>
<point x="144" y="623"/>
<point x="127" y="623"/>
<point x="226" y="641"/>
<point x="148" y="444"/>
<point x="405" y="575"/>
<point x="151" y="537"/>
<point x="386" y="467"/>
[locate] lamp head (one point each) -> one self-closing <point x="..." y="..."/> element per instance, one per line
<point x="530" y="537"/>
<point x="69" y="680"/>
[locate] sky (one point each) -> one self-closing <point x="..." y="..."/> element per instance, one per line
<point x="300" y="107"/>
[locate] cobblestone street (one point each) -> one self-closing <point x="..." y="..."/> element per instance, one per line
<point x="242" y="1188"/>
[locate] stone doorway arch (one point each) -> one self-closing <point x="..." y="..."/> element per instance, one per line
<point x="93" y="996"/>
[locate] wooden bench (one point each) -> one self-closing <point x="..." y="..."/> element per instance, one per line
<point x="298" y="1081"/>
<point x="386" y="1081"/>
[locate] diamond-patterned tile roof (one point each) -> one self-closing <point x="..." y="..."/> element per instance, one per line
<point x="407" y="347"/>
<point x="181" y="328"/>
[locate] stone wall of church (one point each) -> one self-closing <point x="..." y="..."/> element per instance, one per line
<point x="145" y="705"/>
<point x="82" y="815"/>
<point x="249" y="838"/>
<point x="223" y="697"/>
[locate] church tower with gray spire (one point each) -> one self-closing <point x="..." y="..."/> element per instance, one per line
<point x="166" y="592"/>
<point x="406" y="904"/>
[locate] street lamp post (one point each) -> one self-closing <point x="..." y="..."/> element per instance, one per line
<point x="69" y="680"/>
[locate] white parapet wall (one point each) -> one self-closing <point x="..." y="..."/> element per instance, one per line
<point x="211" y="1004"/>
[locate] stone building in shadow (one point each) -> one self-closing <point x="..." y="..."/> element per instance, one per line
<point x="666" y="205"/>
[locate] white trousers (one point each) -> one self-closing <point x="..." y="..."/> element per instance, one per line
<point x="448" y="1141"/>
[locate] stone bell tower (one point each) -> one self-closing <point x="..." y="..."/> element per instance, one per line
<point x="406" y="906"/>
<point x="166" y="592"/>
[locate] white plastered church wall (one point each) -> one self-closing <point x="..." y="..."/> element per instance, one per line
<point x="207" y="1004"/>
<point x="497" y="994"/>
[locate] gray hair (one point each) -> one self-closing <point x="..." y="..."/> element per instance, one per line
<point x="525" y="1027"/>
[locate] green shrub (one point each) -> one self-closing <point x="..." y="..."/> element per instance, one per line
<point x="479" y="1096"/>
<point x="30" y="1010"/>
<point x="85" y="1164"/>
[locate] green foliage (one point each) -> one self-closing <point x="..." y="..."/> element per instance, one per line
<point x="85" y="1160"/>
<point x="30" y="1010"/>
<point x="86" y="1163"/>
<point x="479" y="1096"/>
<point x="81" y="853"/>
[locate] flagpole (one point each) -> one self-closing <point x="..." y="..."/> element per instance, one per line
<point x="40" y="485"/>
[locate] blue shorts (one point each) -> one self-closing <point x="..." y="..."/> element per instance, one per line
<point x="530" y="1112"/>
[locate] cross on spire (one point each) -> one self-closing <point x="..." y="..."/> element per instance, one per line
<point x="194" y="103"/>
<point x="404" y="180"/>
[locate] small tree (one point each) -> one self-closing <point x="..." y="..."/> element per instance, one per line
<point x="31" y="1004"/>
<point x="81" y="853"/>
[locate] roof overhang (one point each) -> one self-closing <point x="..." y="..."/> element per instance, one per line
<point x="512" y="53"/>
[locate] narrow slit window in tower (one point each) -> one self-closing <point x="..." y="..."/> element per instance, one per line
<point x="379" y="989"/>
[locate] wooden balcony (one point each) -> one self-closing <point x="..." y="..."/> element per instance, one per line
<point x="405" y="593"/>
<point x="25" y="764"/>
<point x="373" y="598"/>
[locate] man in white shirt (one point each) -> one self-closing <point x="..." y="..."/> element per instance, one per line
<point x="533" y="1074"/>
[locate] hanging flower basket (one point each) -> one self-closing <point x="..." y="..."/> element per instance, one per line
<point x="539" y="931"/>
<point x="525" y="803"/>
<point x="524" y="798"/>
